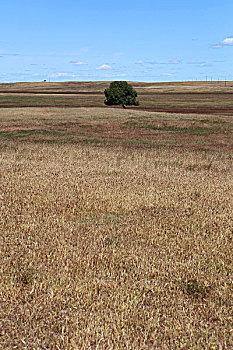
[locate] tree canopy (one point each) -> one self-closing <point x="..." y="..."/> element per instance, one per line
<point x="121" y="93"/>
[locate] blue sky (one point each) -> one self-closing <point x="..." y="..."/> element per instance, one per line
<point x="137" y="40"/>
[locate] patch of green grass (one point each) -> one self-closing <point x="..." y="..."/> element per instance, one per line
<point x="224" y="103"/>
<point x="194" y="289"/>
<point x="164" y="128"/>
<point x="85" y="126"/>
<point x="210" y="121"/>
<point x="109" y="218"/>
<point x="110" y="241"/>
<point x="24" y="133"/>
<point x="3" y="147"/>
<point x="202" y="130"/>
<point x="35" y="99"/>
<point x="5" y="134"/>
<point x="198" y="130"/>
<point x="202" y="149"/>
<point x="50" y="100"/>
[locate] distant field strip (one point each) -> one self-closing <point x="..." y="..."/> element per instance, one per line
<point x="199" y="103"/>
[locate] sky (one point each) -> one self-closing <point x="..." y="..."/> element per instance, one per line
<point x="134" y="40"/>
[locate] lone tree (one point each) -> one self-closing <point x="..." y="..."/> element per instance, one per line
<point x="121" y="93"/>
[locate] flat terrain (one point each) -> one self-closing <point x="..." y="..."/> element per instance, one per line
<point x="189" y="97"/>
<point x="116" y="225"/>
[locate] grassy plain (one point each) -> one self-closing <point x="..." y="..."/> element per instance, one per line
<point x="188" y="97"/>
<point x="116" y="227"/>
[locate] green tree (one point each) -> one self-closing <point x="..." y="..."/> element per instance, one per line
<point x="121" y="93"/>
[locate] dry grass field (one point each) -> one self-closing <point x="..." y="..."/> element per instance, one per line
<point x="188" y="97"/>
<point x="116" y="225"/>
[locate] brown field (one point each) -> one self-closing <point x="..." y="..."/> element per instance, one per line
<point x="188" y="97"/>
<point x="116" y="225"/>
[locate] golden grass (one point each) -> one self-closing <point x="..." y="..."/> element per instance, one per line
<point x="112" y="247"/>
<point x="99" y="86"/>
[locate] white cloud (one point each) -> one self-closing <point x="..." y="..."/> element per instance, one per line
<point x="118" y="54"/>
<point x="196" y="62"/>
<point x="226" y="42"/>
<point x="79" y="63"/>
<point x="104" y="66"/>
<point x="200" y="63"/>
<point x="205" y="65"/>
<point x="167" y="75"/>
<point x="175" y="61"/>
<point x="61" y="75"/>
